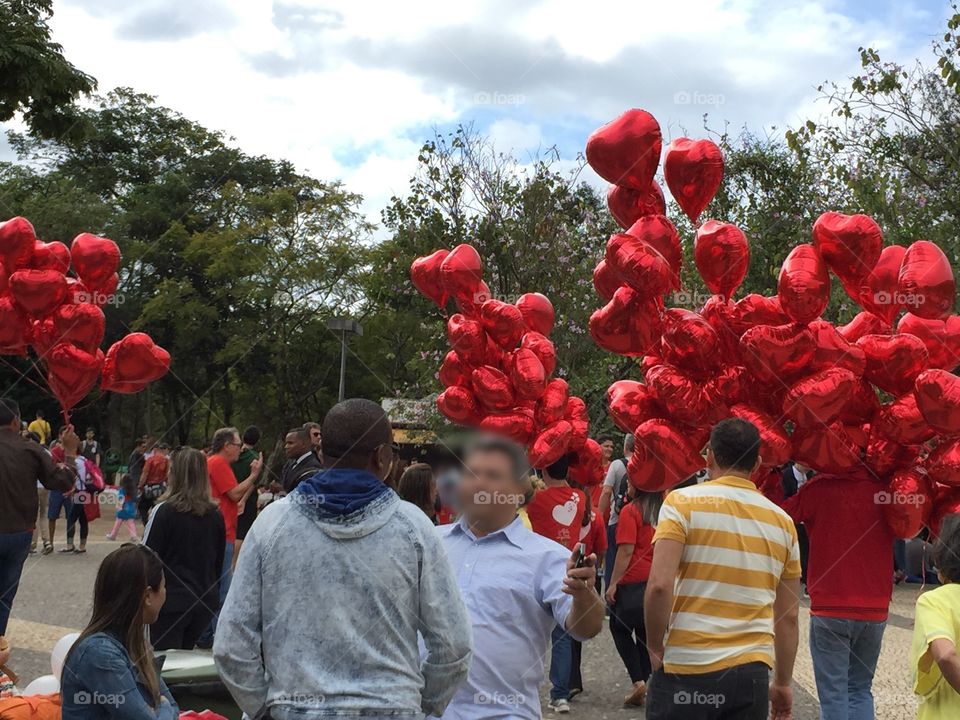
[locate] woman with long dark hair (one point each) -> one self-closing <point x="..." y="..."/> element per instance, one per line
<point x="110" y="671"/>
<point x="418" y="486"/>
<point x="631" y="570"/>
<point x="186" y="531"/>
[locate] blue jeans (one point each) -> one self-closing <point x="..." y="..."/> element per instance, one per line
<point x="14" y="548"/>
<point x="845" y="656"/>
<point x="225" y="577"/>
<point x="611" y="556"/>
<point x="561" y="660"/>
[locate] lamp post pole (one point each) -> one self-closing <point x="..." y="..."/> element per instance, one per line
<point x="344" y="326"/>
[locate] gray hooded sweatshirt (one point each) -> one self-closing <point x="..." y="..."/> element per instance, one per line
<point x="323" y="613"/>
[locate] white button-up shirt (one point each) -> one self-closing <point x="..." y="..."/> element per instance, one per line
<point x="511" y="582"/>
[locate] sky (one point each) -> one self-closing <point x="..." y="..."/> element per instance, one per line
<point x="350" y="89"/>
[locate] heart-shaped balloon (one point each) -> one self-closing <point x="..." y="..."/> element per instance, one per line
<point x="886" y="456"/>
<point x="459" y="405"/>
<point x="537" y="312"/>
<point x="83" y="325"/>
<point x="17" y="240"/>
<point x="752" y="310"/>
<point x="719" y="313"/>
<point x="902" y="422"/>
<point x="834" y="350"/>
<point x="943" y="463"/>
<point x="627" y="325"/>
<point x="938" y="397"/>
<point x="826" y="449"/>
<point x="863" y="323"/>
<point x="849" y="244"/>
<point x="468" y="339"/>
<point x="663" y="456"/>
<point x="586" y="464"/>
<point x="425" y="274"/>
<point x="72" y="373"/>
<point x="50" y="256"/>
<point x="461" y="272"/>
<point x="818" y="399"/>
<point x="683" y="397"/>
<point x="550" y="445"/>
<point x="926" y="283"/>
<point x="893" y="361"/>
<point x="804" y="284"/>
<point x="879" y="290"/>
<point x="863" y="404"/>
<point x="470" y="305"/>
<point x="689" y="342"/>
<point x="516" y="425"/>
<point x="527" y="375"/>
<point x="628" y="205"/>
<point x="503" y="322"/>
<point x="543" y="348"/>
<point x="940" y="337"/>
<point x="492" y="388"/>
<point x="729" y="384"/>
<point x="693" y="170"/>
<point x="907" y="503"/>
<point x="722" y="256"/>
<point x="631" y="403"/>
<point x="944" y="505"/>
<point x="776" y="353"/>
<point x="102" y="294"/>
<point x="133" y="362"/>
<point x="660" y="234"/>
<point x="38" y="292"/>
<point x="4" y="279"/>
<point x="639" y="265"/>
<point x="774" y="442"/>
<point x="626" y="151"/>
<point x="552" y="405"/>
<point x="453" y="371"/>
<point x="579" y="418"/>
<point x="14" y="327"/>
<point x="606" y="281"/>
<point x="94" y="258"/>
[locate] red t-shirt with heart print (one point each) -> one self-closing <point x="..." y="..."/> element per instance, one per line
<point x="557" y="513"/>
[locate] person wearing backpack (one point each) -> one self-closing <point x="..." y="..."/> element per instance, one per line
<point x="82" y="506"/>
<point x="612" y="498"/>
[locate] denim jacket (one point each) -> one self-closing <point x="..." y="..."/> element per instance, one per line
<point x="100" y="681"/>
<point x="323" y="613"/>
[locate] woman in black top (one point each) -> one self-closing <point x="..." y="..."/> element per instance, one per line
<point x="186" y="531"/>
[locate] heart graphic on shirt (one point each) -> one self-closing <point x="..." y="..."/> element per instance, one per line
<point x="564" y="514"/>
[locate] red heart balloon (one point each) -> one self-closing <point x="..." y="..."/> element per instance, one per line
<point x="453" y="371"/>
<point x="550" y="445"/>
<point x="886" y="456"/>
<point x="690" y="342"/>
<point x="804" y="284"/>
<point x="693" y="170"/>
<point x="94" y="258"/>
<point x="72" y="373"/>
<point x="683" y="397"/>
<point x="879" y="291"/>
<point x="543" y="348"/>
<point x="826" y="449"/>
<point x="944" y="505"/>
<point x="461" y="272"/>
<point x="631" y="403"/>
<point x="459" y="405"/>
<point x="628" y="205"/>
<point x="775" y="353"/>
<point x="38" y="292"/>
<point x="752" y="310"/>
<point x="639" y="265"/>
<point x="17" y="240"/>
<point x="940" y="337"/>
<point x="579" y="418"/>
<point x="552" y="405"/>
<point x="425" y="274"/>
<point x="468" y="339"/>
<point x="82" y="325"/>
<point x="907" y="503"/>
<point x="902" y="422"/>
<point x="818" y="399"/>
<point x="626" y="151"/>
<point x="537" y="312"/>
<point x="849" y="244"/>
<point x="586" y="465"/>
<point x="834" y="350"/>
<point x="864" y="323"/>
<point x="492" y="388"/>
<point x="926" y="281"/>
<point x="516" y="425"/>
<point x="863" y="404"/>
<point x="719" y="313"/>
<point x="729" y="384"/>
<point x="503" y="322"/>
<point x="50" y="256"/>
<point x="133" y="362"/>
<point x="938" y="398"/>
<point x="470" y="306"/>
<point x="774" y="442"/>
<point x="722" y="256"/>
<point x="527" y="375"/>
<point x="663" y="456"/>
<point x="943" y="463"/>
<point x="4" y="279"/>
<point x="893" y="361"/>
<point x="606" y="281"/>
<point x="101" y="294"/>
<point x="14" y="328"/>
<point x="627" y="325"/>
<point x="660" y="234"/>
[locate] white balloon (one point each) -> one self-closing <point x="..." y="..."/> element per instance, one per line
<point x="43" y="685"/>
<point x="59" y="653"/>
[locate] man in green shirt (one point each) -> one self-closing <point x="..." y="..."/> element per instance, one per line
<point x="247" y="509"/>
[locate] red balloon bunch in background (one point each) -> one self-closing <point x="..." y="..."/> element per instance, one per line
<point x="58" y="315"/>
<point x="874" y="396"/>
<point x="499" y="373"/>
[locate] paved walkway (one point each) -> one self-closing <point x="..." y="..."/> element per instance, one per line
<point x="56" y="592"/>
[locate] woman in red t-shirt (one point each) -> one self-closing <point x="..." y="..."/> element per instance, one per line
<point x="635" y="529"/>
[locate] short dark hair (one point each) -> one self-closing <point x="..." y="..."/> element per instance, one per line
<point x="496" y="444"/>
<point x="559" y="469"/>
<point x="39" y="412"/>
<point x="251" y="436"/>
<point x="735" y="444"/>
<point x="9" y="411"/>
<point x="947" y="552"/>
<point x="300" y="432"/>
<point x="353" y="430"/>
<point x="605" y="438"/>
<point x="90" y="430"/>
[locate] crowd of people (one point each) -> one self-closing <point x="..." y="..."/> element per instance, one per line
<point x="362" y="586"/>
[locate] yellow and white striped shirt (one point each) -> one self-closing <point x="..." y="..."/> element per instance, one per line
<point x="738" y="546"/>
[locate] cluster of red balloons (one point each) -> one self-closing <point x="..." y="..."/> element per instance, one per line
<point x="875" y="393"/>
<point x="498" y="375"/>
<point x="58" y="314"/>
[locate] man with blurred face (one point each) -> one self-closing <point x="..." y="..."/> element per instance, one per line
<point x="517" y="587"/>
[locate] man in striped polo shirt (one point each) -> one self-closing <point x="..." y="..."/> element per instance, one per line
<point x="721" y="603"/>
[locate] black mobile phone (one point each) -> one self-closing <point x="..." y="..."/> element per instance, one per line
<point x="581" y="556"/>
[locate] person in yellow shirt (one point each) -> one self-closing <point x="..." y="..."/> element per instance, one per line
<point x="936" y="633"/>
<point x="42" y="428"/>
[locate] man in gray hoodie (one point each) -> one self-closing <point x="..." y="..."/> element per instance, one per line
<point x="333" y="585"/>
